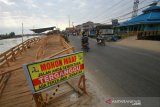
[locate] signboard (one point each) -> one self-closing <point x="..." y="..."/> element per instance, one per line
<point x="45" y="74"/>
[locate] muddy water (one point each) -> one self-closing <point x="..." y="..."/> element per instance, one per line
<point x="6" y="44"/>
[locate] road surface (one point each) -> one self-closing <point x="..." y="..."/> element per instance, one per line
<point x="122" y="71"/>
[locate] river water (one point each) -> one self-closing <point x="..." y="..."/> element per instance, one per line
<point x="6" y="44"/>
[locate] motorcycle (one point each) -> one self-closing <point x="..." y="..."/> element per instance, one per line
<point x="85" y="47"/>
<point x="101" y="41"/>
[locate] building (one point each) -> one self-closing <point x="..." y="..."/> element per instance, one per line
<point x="105" y="29"/>
<point x="88" y="27"/>
<point x="144" y="26"/>
<point x="70" y="30"/>
<point x="79" y="29"/>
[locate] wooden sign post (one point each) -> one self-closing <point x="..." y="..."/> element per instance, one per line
<point x="39" y="100"/>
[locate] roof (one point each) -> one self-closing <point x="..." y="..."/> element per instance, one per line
<point x="70" y="29"/>
<point x="150" y="16"/>
<point x="40" y="30"/>
<point x="152" y="8"/>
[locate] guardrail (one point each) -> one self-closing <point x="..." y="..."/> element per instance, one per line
<point x="10" y="55"/>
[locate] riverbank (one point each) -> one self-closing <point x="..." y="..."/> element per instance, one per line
<point x="6" y="44"/>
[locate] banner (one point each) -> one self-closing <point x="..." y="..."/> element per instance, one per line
<point x="44" y="74"/>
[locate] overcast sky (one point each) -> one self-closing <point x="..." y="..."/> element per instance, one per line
<point x="47" y="13"/>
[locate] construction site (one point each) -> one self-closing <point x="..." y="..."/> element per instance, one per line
<point x="103" y="53"/>
<point x="14" y="89"/>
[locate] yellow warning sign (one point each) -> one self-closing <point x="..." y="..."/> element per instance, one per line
<point x="44" y="74"/>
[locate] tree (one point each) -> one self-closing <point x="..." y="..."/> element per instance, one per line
<point x="12" y="34"/>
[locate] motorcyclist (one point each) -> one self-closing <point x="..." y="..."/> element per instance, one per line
<point x="84" y="41"/>
<point x="99" y="37"/>
<point x="100" y="40"/>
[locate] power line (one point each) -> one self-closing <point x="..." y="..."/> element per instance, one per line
<point x="125" y="9"/>
<point x="111" y="8"/>
<point x="108" y="9"/>
<point x="117" y="11"/>
<point x="105" y="10"/>
<point x="132" y="11"/>
<point x="113" y="11"/>
<point x="126" y="14"/>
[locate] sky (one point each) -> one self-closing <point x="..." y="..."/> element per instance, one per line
<point x="47" y="13"/>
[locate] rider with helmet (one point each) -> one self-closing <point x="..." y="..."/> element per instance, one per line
<point x="85" y="41"/>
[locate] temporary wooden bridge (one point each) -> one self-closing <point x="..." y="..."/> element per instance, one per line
<point x="14" y="89"/>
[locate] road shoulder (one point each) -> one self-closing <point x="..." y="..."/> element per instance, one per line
<point x="149" y="45"/>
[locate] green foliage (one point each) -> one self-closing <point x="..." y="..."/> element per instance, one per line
<point x="12" y="34"/>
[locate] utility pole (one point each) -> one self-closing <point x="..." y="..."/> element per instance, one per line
<point x="72" y="24"/>
<point x="69" y="21"/>
<point x="56" y="25"/>
<point x="22" y="32"/>
<point x="33" y="32"/>
<point x="135" y="8"/>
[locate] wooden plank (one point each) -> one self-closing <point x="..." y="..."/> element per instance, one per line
<point x="20" y="90"/>
<point x="13" y="55"/>
<point x="2" y="59"/>
<point x="58" y="53"/>
<point x="2" y="64"/>
<point x="16" y="96"/>
<point x="7" y="70"/>
<point x="15" y="49"/>
<point x="6" y="96"/>
<point x="1" y="88"/>
<point x="1" y="76"/>
<point x="14" y="101"/>
<point x="4" y="82"/>
<point x="9" y="56"/>
<point x="7" y="62"/>
<point x="18" y="84"/>
<point x="60" y="100"/>
<point x="7" y="90"/>
<point x="4" y="53"/>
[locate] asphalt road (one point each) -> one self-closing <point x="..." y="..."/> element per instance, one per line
<point x="122" y="71"/>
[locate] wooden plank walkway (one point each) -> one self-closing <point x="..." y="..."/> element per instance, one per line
<point x="17" y="92"/>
